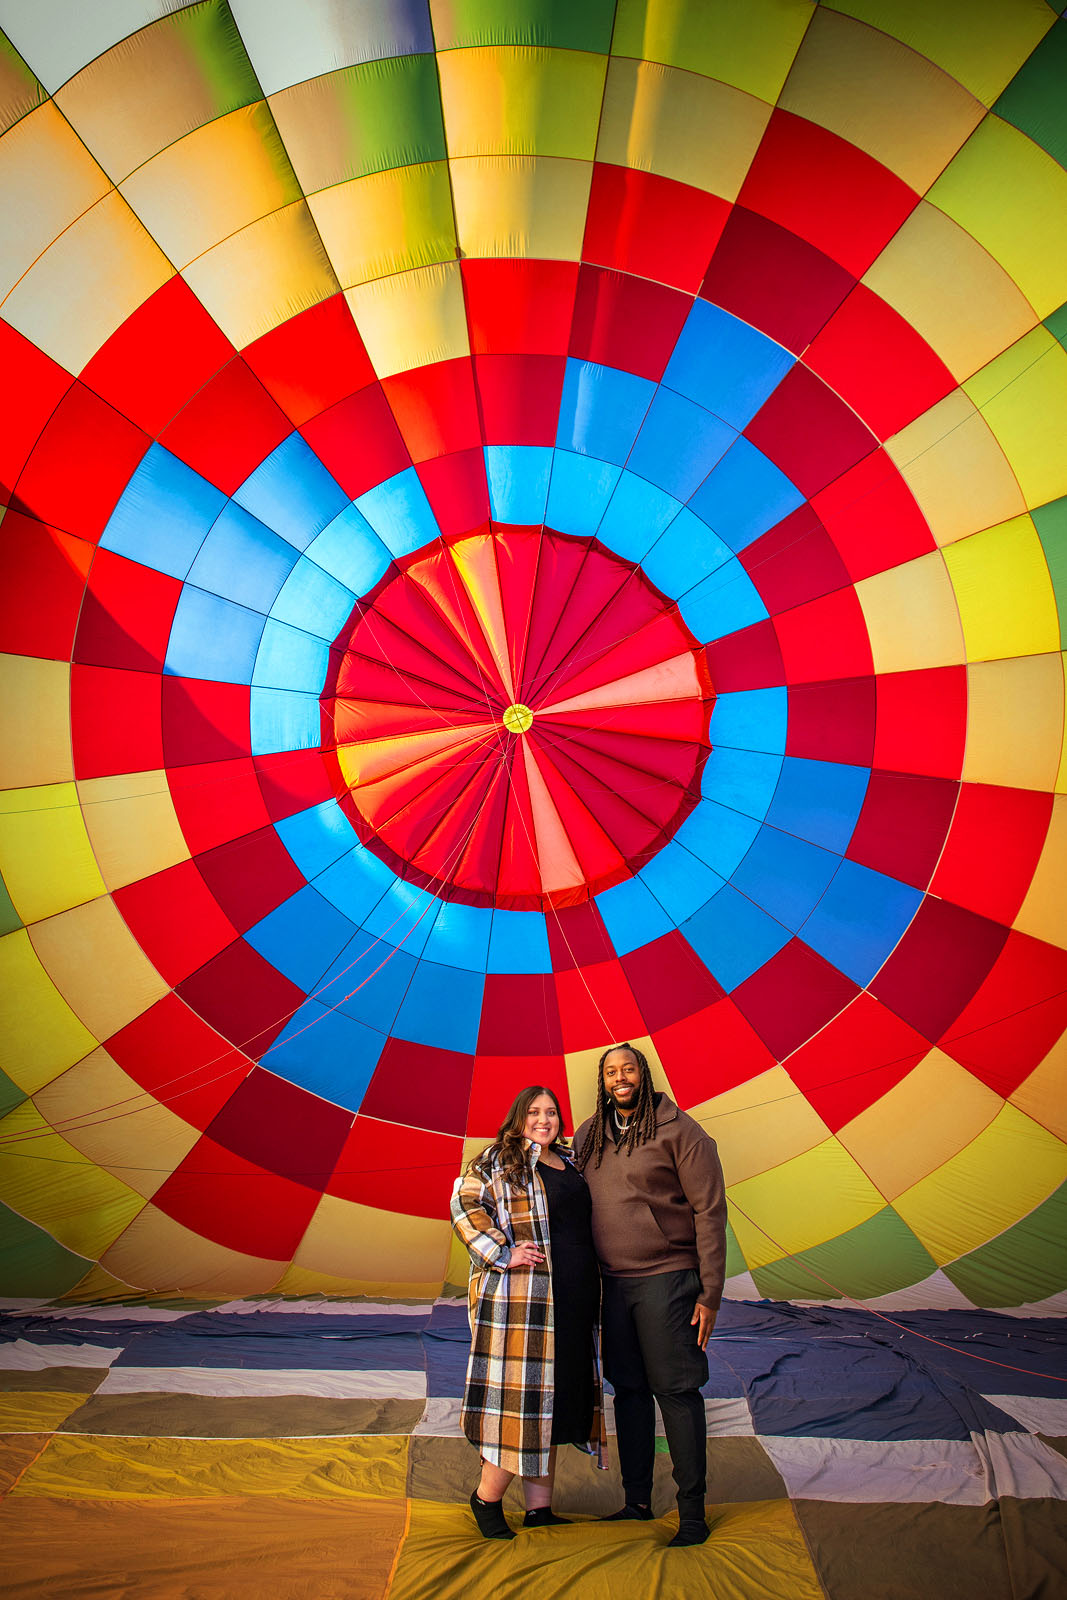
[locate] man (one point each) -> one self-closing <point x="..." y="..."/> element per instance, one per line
<point x="659" y="1225"/>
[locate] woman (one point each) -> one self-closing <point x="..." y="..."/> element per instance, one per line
<point x="533" y="1380"/>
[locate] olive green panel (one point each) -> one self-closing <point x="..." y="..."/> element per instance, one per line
<point x="735" y="1261"/>
<point x="1051" y="524"/>
<point x="558" y="24"/>
<point x="209" y="34"/>
<point x="1035" y="100"/>
<point x="9" y="917"/>
<point x="1057" y="322"/>
<point x="10" y="1095"/>
<point x="1025" y="1263"/>
<point x="32" y="1264"/>
<point x="878" y="1256"/>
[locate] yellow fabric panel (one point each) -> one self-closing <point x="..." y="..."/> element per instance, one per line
<point x="760" y="1124"/>
<point x="873" y="91"/>
<point x="44" y="1178"/>
<point x="385" y="1252"/>
<point x="950" y="290"/>
<point x="521" y="206"/>
<point x="925" y="1119"/>
<point x="581" y="1068"/>
<point x="162" y="1256"/>
<point x="213" y="183"/>
<point x="34" y="722"/>
<point x="40" y="1036"/>
<point x="805" y="1201"/>
<point x="45" y="856"/>
<point x="1004" y="592"/>
<point x="911" y="616"/>
<point x="1023" y="397"/>
<point x="262" y="276"/>
<point x="386" y="223"/>
<point x="99" y="1467"/>
<point x="747" y="43"/>
<point x="412" y="319"/>
<point x="47" y="180"/>
<point x="131" y="823"/>
<point x="1012" y="196"/>
<point x="1044" y="911"/>
<point x="1014" y="722"/>
<point x="85" y="286"/>
<point x="521" y="100"/>
<point x="983" y="43"/>
<point x="109" y="1118"/>
<point x="97" y="965"/>
<point x="36" y="1410"/>
<point x="1001" y="1175"/>
<point x="956" y="470"/>
<point x="1043" y="1095"/>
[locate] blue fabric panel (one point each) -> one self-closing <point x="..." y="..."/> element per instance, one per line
<point x="785" y="875"/>
<point x="443" y="1007"/>
<point x="518" y="942"/>
<point x="518" y="482"/>
<point x="212" y="638"/>
<point x="637" y="515"/>
<point x="163" y="514"/>
<point x="751" y="719"/>
<point x="725" y="365"/>
<point x="289" y="658"/>
<point x="350" y="551"/>
<point x="448" y="1346"/>
<point x="723" y="603"/>
<point x="328" y="1053"/>
<point x="292" y="492"/>
<point x="403" y="917"/>
<point x="267" y="1341"/>
<point x="399" y="513"/>
<point x="368" y="981"/>
<point x="632" y="915"/>
<point x="302" y="936"/>
<point x="744" y="780"/>
<point x="242" y="560"/>
<point x="601" y="410"/>
<point x="680" y="881"/>
<point x="355" y="883"/>
<point x="819" y="800"/>
<point x="733" y="937"/>
<point x="317" y="837"/>
<point x="460" y="936"/>
<point x="284" y="719"/>
<point x="678" y="445"/>
<point x="578" y="493"/>
<point x="717" y="835"/>
<point x="860" y="920"/>
<point x="684" y="554"/>
<point x="312" y="600"/>
<point x="745" y="495"/>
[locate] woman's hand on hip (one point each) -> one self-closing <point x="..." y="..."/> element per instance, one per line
<point x="526" y="1254"/>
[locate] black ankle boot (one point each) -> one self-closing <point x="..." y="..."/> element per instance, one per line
<point x="630" y="1513"/>
<point x="489" y="1515"/>
<point x="543" y="1517"/>
<point x="692" y="1527"/>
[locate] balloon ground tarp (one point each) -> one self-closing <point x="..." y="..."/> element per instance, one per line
<point x="525" y="525"/>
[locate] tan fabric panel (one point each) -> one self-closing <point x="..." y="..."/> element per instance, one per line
<point x="912" y="617"/>
<point x="158" y="1254"/>
<point x="956" y="470"/>
<point x="34" y="722"/>
<point x="47" y="179"/>
<point x="760" y="1124"/>
<point x="1014" y="722"/>
<point x="384" y="1252"/>
<point x="1044" y="911"/>
<point x="97" y="965"/>
<point x="1043" y="1095"/>
<point x="132" y="826"/>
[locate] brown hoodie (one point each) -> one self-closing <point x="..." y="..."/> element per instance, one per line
<point x="662" y="1207"/>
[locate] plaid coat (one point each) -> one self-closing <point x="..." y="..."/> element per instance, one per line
<point x="507" y="1398"/>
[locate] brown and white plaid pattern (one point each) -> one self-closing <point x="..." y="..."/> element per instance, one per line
<point x="507" y="1399"/>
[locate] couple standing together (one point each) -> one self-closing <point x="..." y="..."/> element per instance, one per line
<point x="637" y="1210"/>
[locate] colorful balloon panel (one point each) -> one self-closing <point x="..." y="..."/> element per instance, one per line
<point x="525" y="528"/>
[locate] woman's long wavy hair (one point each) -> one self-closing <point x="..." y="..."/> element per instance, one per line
<point x="509" y="1148"/>
<point x="642" y="1122"/>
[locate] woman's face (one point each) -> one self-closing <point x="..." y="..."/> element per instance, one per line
<point x="542" y="1120"/>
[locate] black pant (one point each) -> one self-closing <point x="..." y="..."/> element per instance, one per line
<point x="651" y="1352"/>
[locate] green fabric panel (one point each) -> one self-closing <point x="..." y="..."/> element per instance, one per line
<point x="1051" y="524"/>
<point x="735" y="1261"/>
<point x="389" y="115"/>
<point x="32" y="1264"/>
<point x="881" y="1255"/>
<point x="10" y="1095"/>
<point x="210" y="35"/>
<point x="1026" y="1262"/>
<point x="19" y="90"/>
<point x="559" y="24"/>
<point x="9" y="917"/>
<point x="1057" y="322"/>
<point x="1035" y="100"/>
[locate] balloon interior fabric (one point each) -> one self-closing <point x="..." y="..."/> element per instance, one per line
<point x="530" y="525"/>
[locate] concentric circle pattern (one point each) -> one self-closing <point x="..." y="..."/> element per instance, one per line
<point x="526" y="526"/>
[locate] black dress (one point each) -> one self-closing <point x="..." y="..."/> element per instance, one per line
<point x="575" y="1301"/>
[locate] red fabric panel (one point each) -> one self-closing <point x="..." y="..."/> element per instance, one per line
<point x="832" y="721"/>
<point x="809" y="432"/>
<point x="242" y="996"/>
<point x="938" y="965"/>
<point x="872" y="518"/>
<point x="182" y="1062"/>
<point x="655" y="227"/>
<point x="126" y="615"/>
<point x="1016" y="1016"/>
<point x="596" y="1006"/>
<point x="250" y="876"/>
<point x="577" y="937"/>
<point x="710" y="1052"/>
<point x="283" y="1128"/>
<point x="855" y="1059"/>
<point x="876" y="361"/>
<point x="669" y="981"/>
<point x="922" y="721"/>
<point x="292" y="780"/>
<point x="626" y="322"/>
<point x="436" y="408"/>
<point x="794" y="562"/>
<point x="114" y="721"/>
<point x="311" y="361"/>
<point x="519" y="307"/>
<point x="50" y="566"/>
<point x="748" y="659"/>
<point x="176" y="920"/>
<point x="827" y="638"/>
<point x="216" y="801"/>
<point x="425" y="1086"/>
<point x="792" y="996"/>
<point x="33" y="386"/>
<point x="163" y="354"/>
<point x="498" y="1079"/>
<point x="519" y="1006"/>
<point x="993" y="848"/>
<point x="237" y="1204"/>
<point x="80" y="465"/>
<point x="518" y="397"/>
<point x="902" y="825"/>
<point x="456" y="488"/>
<point x="204" y="721"/>
<point x="358" y="441"/>
<point x="227" y="428"/>
<point x="409" y="1170"/>
<point x="767" y="276"/>
<point x="826" y="191"/>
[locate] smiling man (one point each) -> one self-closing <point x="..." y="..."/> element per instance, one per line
<point x="659" y="1224"/>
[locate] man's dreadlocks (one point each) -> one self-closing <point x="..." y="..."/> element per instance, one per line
<point x="641" y="1125"/>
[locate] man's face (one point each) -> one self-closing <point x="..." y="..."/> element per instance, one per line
<point x="622" y="1079"/>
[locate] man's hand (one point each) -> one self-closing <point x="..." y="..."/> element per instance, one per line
<point x="703" y="1320"/>
<point x="527" y="1254"/>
